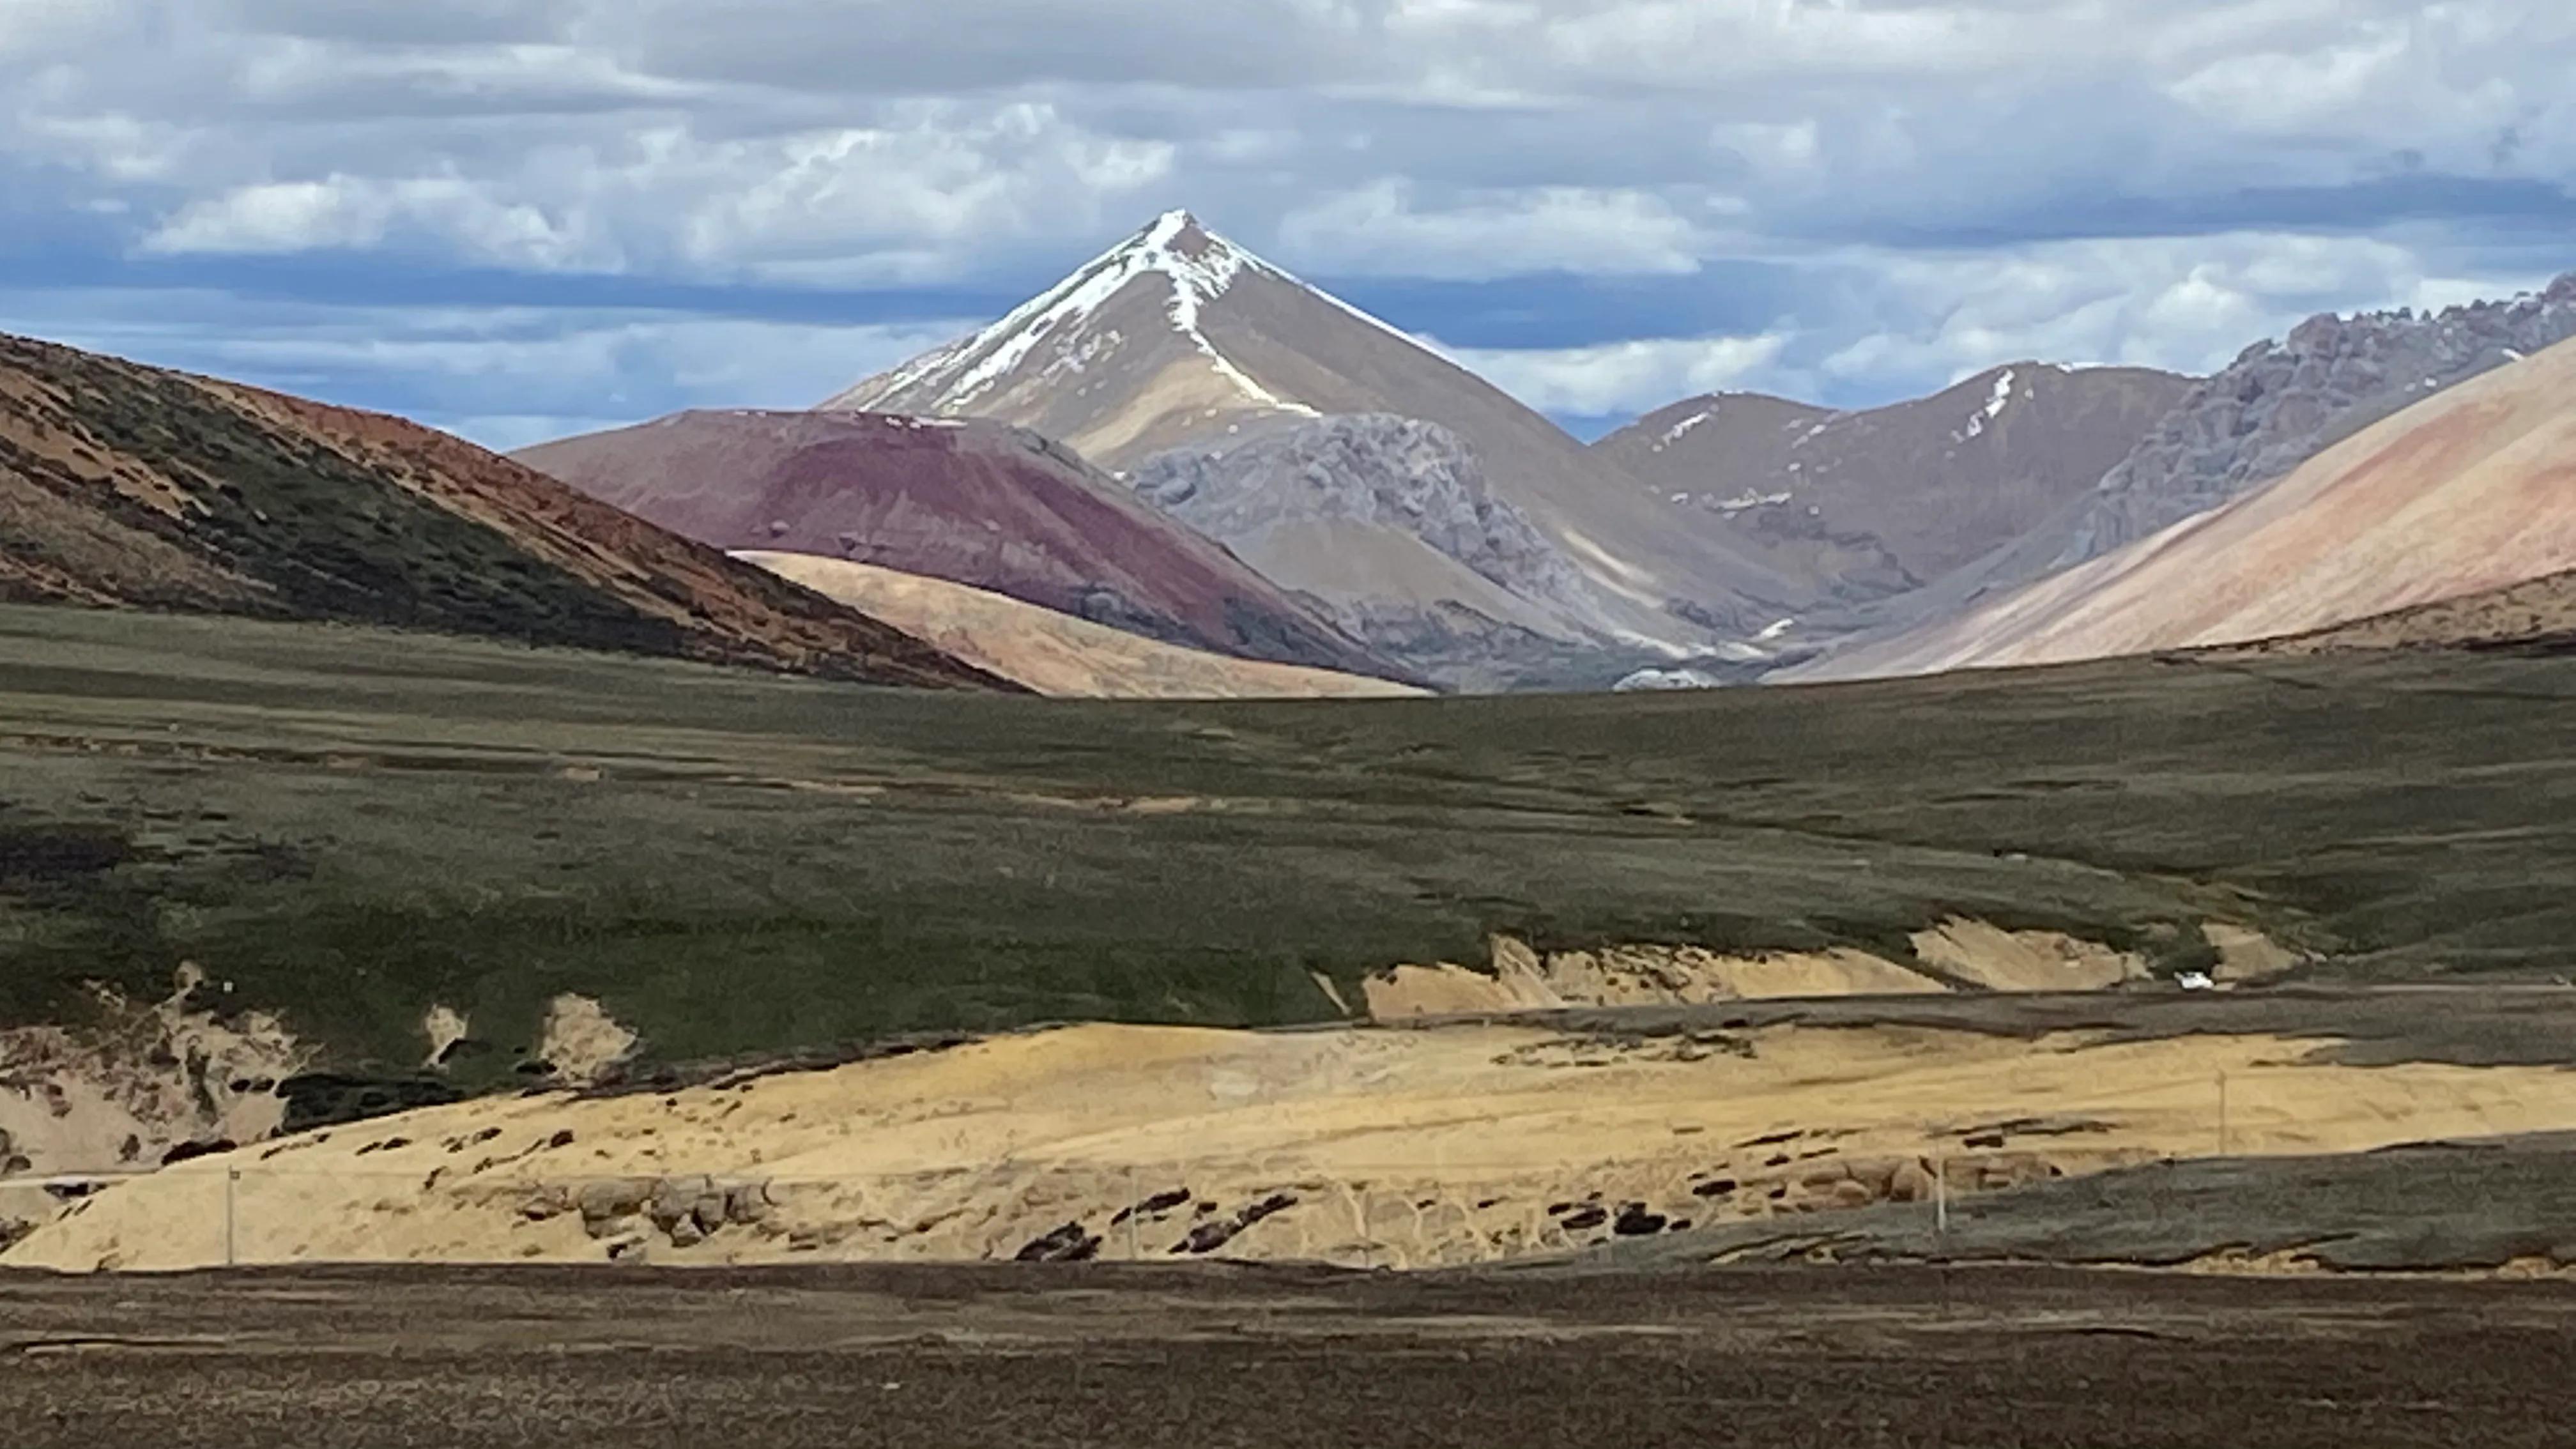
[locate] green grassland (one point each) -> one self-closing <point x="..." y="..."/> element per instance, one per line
<point x="349" y="825"/>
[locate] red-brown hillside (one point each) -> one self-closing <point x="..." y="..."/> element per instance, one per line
<point x="125" y="485"/>
<point x="972" y="502"/>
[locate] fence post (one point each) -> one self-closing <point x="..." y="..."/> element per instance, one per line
<point x="232" y="1179"/>
<point x="1941" y="1195"/>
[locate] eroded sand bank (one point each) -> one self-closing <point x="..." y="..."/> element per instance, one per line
<point x="1394" y="1147"/>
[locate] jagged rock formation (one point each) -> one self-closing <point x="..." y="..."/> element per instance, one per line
<point x="1307" y="499"/>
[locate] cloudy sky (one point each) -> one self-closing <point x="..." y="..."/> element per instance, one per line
<point x="523" y="217"/>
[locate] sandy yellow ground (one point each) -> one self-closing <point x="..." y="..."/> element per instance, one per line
<point x="1397" y="1147"/>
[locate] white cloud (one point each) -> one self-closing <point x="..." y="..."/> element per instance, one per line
<point x="341" y="212"/>
<point x="1382" y="230"/>
<point x="496" y="374"/>
<point x="1618" y="377"/>
<point x="1951" y="181"/>
<point x="900" y="202"/>
<point x="2185" y="304"/>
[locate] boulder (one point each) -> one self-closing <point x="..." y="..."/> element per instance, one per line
<point x="749" y="1202"/>
<point x="623" y="1197"/>
<point x="676" y="1199"/>
<point x="1912" y="1182"/>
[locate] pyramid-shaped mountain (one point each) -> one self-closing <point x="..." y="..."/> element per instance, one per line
<point x="1433" y="512"/>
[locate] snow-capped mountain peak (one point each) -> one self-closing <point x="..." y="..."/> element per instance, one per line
<point x="1178" y="346"/>
<point x="1061" y="328"/>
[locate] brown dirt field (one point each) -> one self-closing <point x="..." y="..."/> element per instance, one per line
<point x="1075" y="1357"/>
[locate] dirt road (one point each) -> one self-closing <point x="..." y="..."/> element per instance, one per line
<point x="1108" y="1355"/>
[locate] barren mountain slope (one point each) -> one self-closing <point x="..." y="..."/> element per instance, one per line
<point x="1178" y="339"/>
<point x="2278" y="405"/>
<point x="1864" y="505"/>
<point x="2472" y="490"/>
<point x="129" y="485"/>
<point x="973" y="502"/>
<point x="1053" y="653"/>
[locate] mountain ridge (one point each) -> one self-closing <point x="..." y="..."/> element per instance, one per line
<point x="2279" y="403"/>
<point x="2470" y="491"/>
<point x="973" y="502"/>
<point x="123" y="485"/>
<point x="1872" y="503"/>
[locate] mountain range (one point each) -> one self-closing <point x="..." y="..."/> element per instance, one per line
<point x="978" y="503"/>
<point x="2280" y="403"/>
<point x="2470" y="491"/>
<point x="1184" y="445"/>
<point x="1178" y="345"/>
<point x="1866" y="505"/>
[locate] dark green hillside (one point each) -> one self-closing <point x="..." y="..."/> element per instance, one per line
<point x="350" y="825"/>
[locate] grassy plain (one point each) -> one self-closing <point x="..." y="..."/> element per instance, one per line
<point x="351" y="825"/>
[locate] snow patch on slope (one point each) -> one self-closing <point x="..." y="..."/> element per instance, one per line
<point x="1681" y="430"/>
<point x="2000" y="399"/>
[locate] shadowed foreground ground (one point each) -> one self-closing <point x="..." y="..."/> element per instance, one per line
<point x="460" y="1359"/>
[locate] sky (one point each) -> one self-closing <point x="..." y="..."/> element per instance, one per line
<point x="524" y="218"/>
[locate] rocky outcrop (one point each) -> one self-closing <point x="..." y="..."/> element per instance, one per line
<point x="2281" y="403"/>
<point x="1521" y="979"/>
<point x="1305" y="499"/>
<point x="143" y="1085"/>
<point x="1396" y="472"/>
<point x="629" y="1214"/>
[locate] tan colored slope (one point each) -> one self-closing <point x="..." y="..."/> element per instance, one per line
<point x="1393" y="1147"/>
<point x="1056" y="653"/>
<point x="2472" y="490"/>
